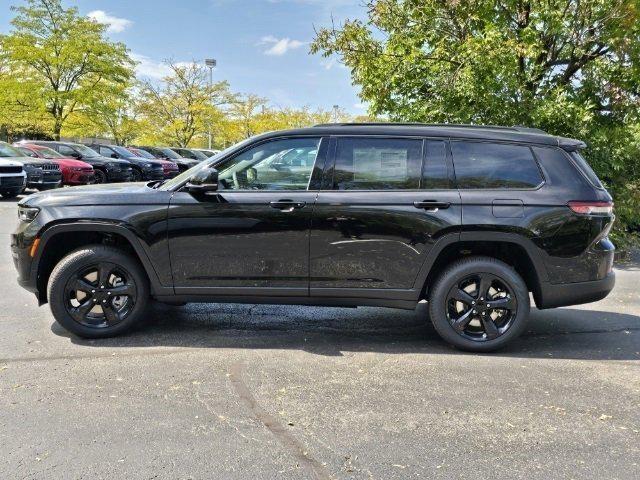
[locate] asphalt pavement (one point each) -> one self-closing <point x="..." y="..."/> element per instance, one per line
<point x="264" y="392"/>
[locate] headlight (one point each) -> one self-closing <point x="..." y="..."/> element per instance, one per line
<point x="148" y="165"/>
<point x="28" y="214"/>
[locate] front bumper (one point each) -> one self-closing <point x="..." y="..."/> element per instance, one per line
<point x="12" y="183"/>
<point x="153" y="174"/>
<point x="119" y="175"/>
<point x="48" y="179"/>
<point x="78" y="177"/>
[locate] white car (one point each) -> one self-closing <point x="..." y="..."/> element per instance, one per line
<point x="13" y="178"/>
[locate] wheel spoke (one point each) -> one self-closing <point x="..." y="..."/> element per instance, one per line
<point x="504" y="303"/>
<point x="127" y="289"/>
<point x="462" y="296"/>
<point x="82" y="285"/>
<point x="489" y="327"/>
<point x="104" y="272"/>
<point x="80" y="312"/>
<point x="484" y="284"/>
<point x="110" y="314"/>
<point x="461" y="323"/>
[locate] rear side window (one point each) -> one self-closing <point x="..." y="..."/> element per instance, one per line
<point x="586" y="169"/>
<point x="494" y="165"/>
<point x="435" y="174"/>
<point x="378" y="164"/>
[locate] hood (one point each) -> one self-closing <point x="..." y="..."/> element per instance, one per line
<point x="4" y="161"/>
<point x="137" y="193"/>
<point x="70" y="163"/>
<point x="36" y="162"/>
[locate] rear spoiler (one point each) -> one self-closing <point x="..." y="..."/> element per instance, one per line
<point x="571" y="144"/>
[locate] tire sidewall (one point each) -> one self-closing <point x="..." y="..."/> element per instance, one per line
<point x="83" y="258"/>
<point x="467" y="267"/>
<point x="99" y="176"/>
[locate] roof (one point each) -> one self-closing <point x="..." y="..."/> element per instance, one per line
<point x="472" y="132"/>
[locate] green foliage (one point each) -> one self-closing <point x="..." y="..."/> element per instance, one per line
<point x="62" y="59"/>
<point x="570" y="67"/>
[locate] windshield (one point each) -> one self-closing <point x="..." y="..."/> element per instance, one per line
<point x="170" y="153"/>
<point x="186" y="175"/>
<point x="85" y="151"/>
<point x="47" y="152"/>
<point x="142" y="153"/>
<point x="7" y="150"/>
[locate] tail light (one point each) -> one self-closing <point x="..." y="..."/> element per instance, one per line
<point x="591" y="208"/>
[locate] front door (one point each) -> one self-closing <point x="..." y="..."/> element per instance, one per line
<point x="252" y="235"/>
<point x="382" y="207"/>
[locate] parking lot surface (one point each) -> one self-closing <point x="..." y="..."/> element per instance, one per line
<point x="249" y="391"/>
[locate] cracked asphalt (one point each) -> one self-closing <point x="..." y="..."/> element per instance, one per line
<point x="262" y="392"/>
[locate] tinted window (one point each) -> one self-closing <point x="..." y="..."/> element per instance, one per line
<point x="435" y="174"/>
<point x="28" y="152"/>
<point x="377" y="164"/>
<point x="64" y="150"/>
<point x="493" y="165"/>
<point x="284" y="164"/>
<point x="586" y="169"/>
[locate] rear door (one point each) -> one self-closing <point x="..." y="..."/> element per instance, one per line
<point x="383" y="204"/>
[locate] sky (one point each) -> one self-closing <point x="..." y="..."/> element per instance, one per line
<point x="261" y="46"/>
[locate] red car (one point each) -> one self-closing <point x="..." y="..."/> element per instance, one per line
<point x="74" y="172"/>
<point x="170" y="169"/>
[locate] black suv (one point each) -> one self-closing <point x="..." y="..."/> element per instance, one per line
<point x="471" y="219"/>
<point x="164" y="153"/>
<point x="141" y="168"/>
<point x="105" y="169"/>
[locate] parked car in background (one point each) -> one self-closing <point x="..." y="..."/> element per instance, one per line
<point x="165" y="153"/>
<point x="74" y="172"/>
<point x="190" y="153"/>
<point x="474" y="220"/>
<point x="208" y="152"/>
<point x="13" y="178"/>
<point x="105" y="169"/>
<point x="169" y="168"/>
<point x="141" y="168"/>
<point x="41" y="174"/>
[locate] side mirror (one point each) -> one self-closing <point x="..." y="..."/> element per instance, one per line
<point x="76" y="155"/>
<point x="203" y="182"/>
<point x="115" y="155"/>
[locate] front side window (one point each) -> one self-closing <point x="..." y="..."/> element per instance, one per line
<point x="284" y="164"/>
<point x="377" y="164"/>
<point x="495" y="166"/>
<point x="64" y="150"/>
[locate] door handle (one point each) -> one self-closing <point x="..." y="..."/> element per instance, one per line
<point x="431" y="205"/>
<point x="287" y="205"/>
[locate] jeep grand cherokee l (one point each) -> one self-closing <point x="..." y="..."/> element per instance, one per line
<point x="471" y="219"/>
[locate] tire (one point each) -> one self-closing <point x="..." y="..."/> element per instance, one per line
<point x="99" y="176"/>
<point x="136" y="175"/>
<point x="9" y="193"/>
<point x="84" y="267"/>
<point x="480" y="328"/>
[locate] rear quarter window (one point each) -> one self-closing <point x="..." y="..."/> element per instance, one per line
<point x="586" y="169"/>
<point x="483" y="165"/>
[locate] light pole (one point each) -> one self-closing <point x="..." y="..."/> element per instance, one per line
<point x="210" y="63"/>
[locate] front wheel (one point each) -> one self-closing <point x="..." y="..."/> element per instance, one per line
<point x="479" y="304"/>
<point x="98" y="291"/>
<point x="99" y="176"/>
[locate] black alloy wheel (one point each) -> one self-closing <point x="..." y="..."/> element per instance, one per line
<point x="98" y="291"/>
<point x="481" y="307"/>
<point x="136" y="175"/>
<point x="100" y="295"/>
<point x="99" y="176"/>
<point x="479" y="304"/>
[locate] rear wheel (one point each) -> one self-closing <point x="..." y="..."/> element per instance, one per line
<point x="98" y="291"/>
<point x="479" y="304"/>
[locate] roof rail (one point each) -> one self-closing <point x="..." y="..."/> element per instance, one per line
<point x="515" y="128"/>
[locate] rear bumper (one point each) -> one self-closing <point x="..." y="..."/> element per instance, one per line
<point x="563" y="294"/>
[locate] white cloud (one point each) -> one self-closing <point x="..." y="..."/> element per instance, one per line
<point x="114" y="24"/>
<point x="279" y="46"/>
<point x="147" y="67"/>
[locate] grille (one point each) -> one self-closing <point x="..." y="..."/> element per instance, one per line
<point x="10" y="169"/>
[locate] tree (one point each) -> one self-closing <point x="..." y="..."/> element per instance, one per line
<point x="570" y="67"/>
<point x="65" y="58"/>
<point x="182" y="106"/>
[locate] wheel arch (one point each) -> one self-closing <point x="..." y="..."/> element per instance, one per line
<point x="59" y="240"/>
<point x="518" y="252"/>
